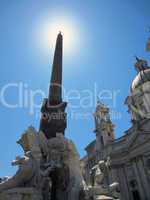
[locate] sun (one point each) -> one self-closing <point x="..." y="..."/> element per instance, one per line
<point x="47" y="29"/>
<point x="66" y="30"/>
<point x="70" y="35"/>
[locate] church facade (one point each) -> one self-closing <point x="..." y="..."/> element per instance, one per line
<point x="129" y="155"/>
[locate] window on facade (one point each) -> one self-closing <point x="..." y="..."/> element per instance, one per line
<point x="102" y="140"/>
<point x="133" y="183"/>
<point x="109" y="134"/>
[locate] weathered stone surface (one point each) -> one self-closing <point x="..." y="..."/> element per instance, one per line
<point x="51" y="170"/>
<point x="21" y="194"/>
<point x="68" y="174"/>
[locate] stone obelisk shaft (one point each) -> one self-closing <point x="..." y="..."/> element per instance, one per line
<point x="53" y="119"/>
<point x="55" y="90"/>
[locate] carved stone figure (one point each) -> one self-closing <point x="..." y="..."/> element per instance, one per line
<point x="56" y="175"/>
<point x="29" y="173"/>
<point x="66" y="176"/>
<point x="25" y="182"/>
<point x="100" y="189"/>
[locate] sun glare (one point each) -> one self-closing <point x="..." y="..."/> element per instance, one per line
<point x="70" y="36"/>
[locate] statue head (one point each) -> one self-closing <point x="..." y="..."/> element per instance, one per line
<point x="102" y="165"/>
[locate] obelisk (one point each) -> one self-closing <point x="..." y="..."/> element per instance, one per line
<point x="53" y="118"/>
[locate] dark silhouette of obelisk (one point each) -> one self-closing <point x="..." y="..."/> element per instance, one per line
<point x="55" y="92"/>
<point x="53" y="119"/>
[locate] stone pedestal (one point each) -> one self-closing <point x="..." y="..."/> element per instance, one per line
<point x="21" y="194"/>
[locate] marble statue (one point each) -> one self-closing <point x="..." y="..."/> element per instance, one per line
<point x="100" y="187"/>
<point x="31" y="175"/>
<point x="67" y="170"/>
<point x="51" y="170"/>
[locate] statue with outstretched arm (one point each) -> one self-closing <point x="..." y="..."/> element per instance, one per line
<point x="27" y="168"/>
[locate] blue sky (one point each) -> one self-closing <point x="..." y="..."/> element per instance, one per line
<point x="109" y="34"/>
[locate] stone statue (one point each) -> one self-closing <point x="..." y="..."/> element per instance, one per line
<point x="50" y="170"/>
<point x="101" y="187"/>
<point x="29" y="173"/>
<point x="66" y="176"/>
<point x="26" y="178"/>
<point x="27" y="167"/>
<point x="141" y="64"/>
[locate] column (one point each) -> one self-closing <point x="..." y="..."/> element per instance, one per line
<point x="126" y="184"/>
<point x="143" y="177"/>
<point x="123" y="184"/>
<point x="140" y="185"/>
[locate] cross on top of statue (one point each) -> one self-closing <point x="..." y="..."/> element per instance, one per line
<point x="141" y="64"/>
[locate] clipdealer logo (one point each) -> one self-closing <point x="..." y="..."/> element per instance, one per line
<point x="25" y="97"/>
